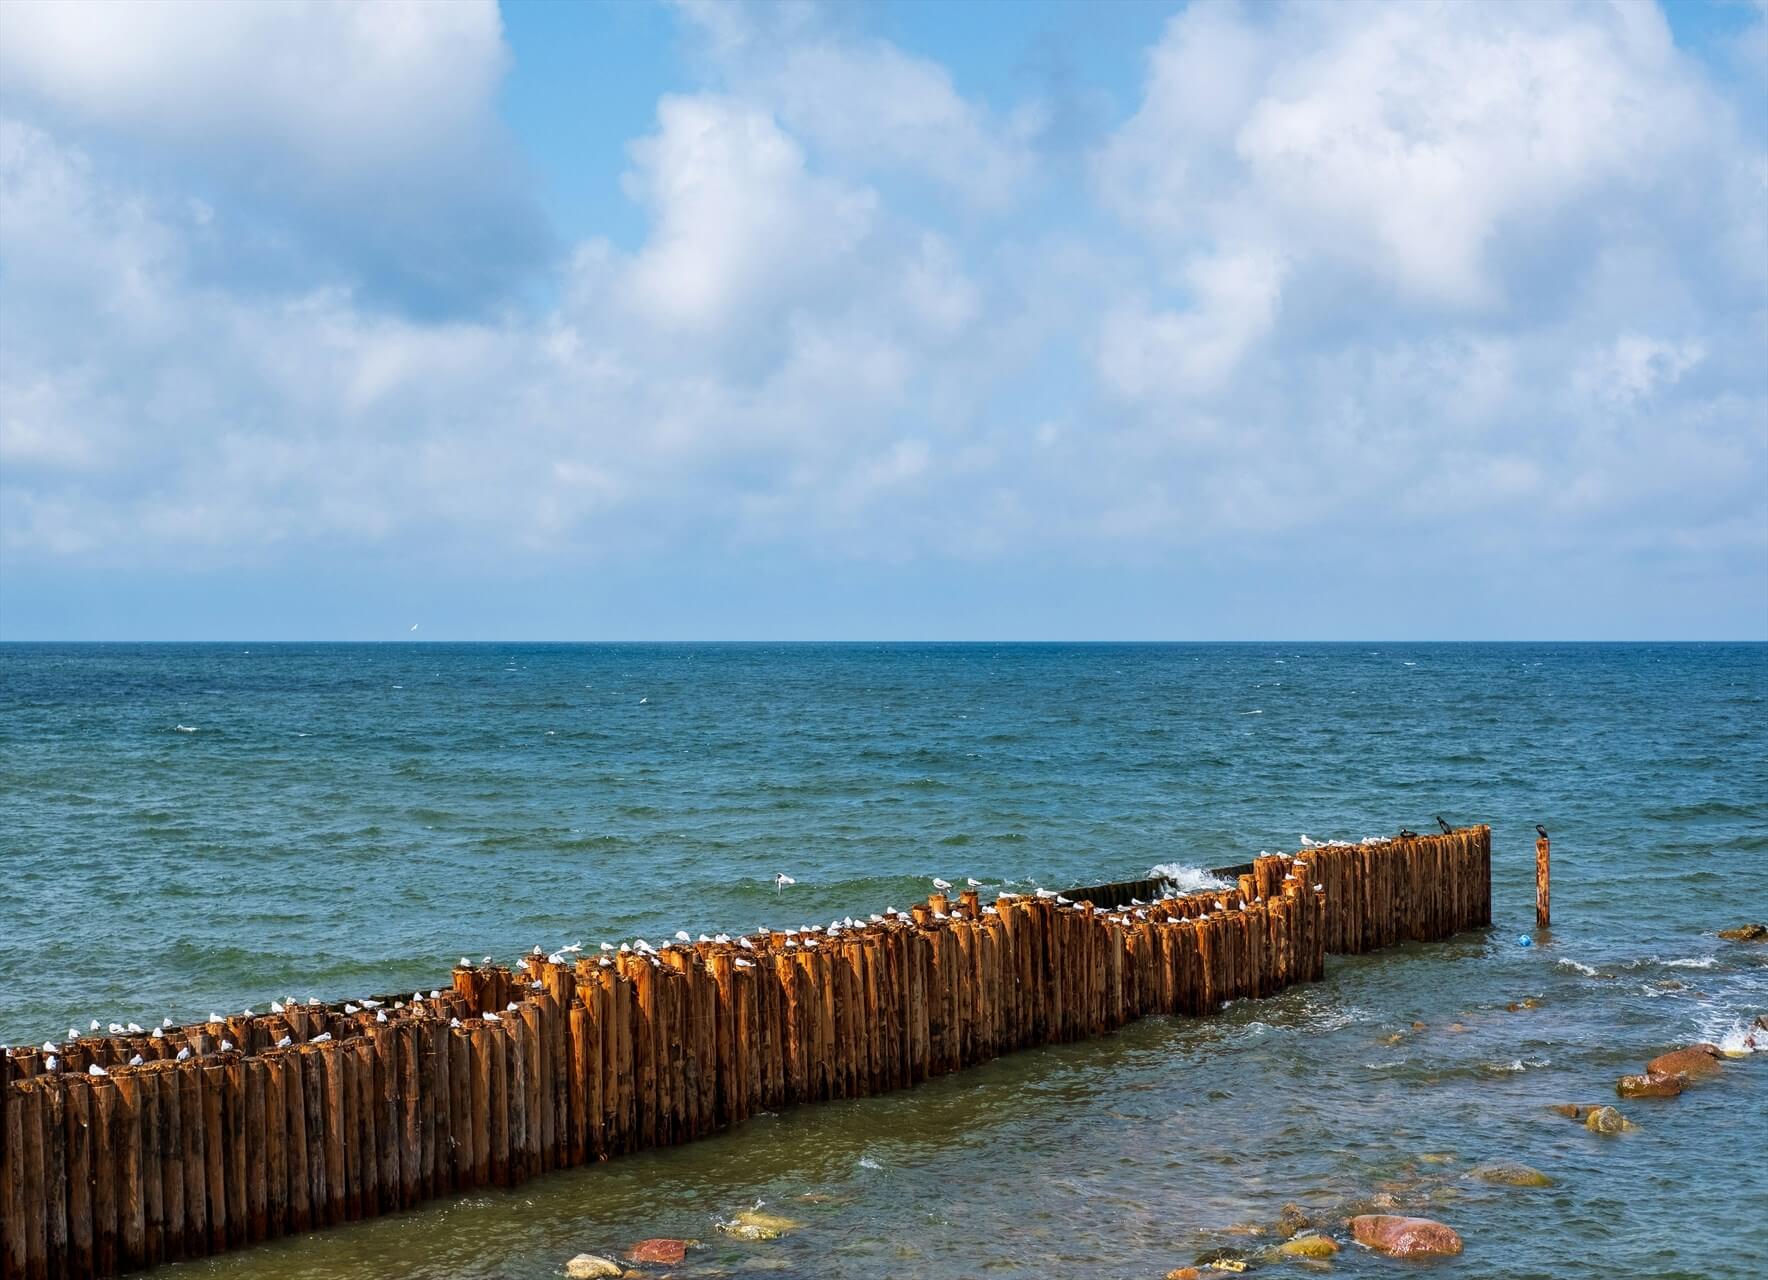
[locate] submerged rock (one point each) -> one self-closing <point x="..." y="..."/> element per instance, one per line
<point x="1309" y="1247"/>
<point x="668" y="1252"/>
<point x="1607" y="1120"/>
<point x="587" y="1266"/>
<point x="1184" y="1273"/>
<point x="1570" y="1110"/>
<point x="1512" y="1175"/>
<point x="1694" y="1062"/>
<point x="1746" y="933"/>
<point x="1651" y="1085"/>
<point x="753" y="1224"/>
<point x="1405" y="1237"/>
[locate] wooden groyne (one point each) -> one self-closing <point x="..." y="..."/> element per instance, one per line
<point x="126" y="1151"/>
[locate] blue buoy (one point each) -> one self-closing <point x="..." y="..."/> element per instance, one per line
<point x="1525" y="941"/>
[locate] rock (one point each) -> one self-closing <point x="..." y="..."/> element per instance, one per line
<point x="1184" y="1273"/>
<point x="1570" y="1110"/>
<point x="1385" y="1200"/>
<point x="1694" y="1062"/>
<point x="586" y="1266"/>
<point x="668" y="1252"/>
<point x="1309" y="1247"/>
<point x="753" y="1224"/>
<point x="1654" y="1085"/>
<point x="1746" y="933"/>
<point x="1405" y="1237"/>
<point x="1512" y="1175"/>
<point x="1291" y="1219"/>
<point x="1607" y="1120"/>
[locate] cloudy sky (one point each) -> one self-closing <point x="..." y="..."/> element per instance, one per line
<point x="886" y="321"/>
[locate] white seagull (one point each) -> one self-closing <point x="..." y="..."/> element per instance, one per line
<point x="941" y="885"/>
<point x="781" y="880"/>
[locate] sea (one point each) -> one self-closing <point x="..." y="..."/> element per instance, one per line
<point x="187" y="828"/>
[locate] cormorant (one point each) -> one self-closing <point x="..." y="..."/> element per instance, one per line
<point x="1447" y="829"/>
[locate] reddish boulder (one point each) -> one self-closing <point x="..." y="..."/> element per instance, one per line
<point x="1694" y="1062"/>
<point x="1653" y="1085"/>
<point x="1405" y="1237"/>
<point x="668" y="1252"/>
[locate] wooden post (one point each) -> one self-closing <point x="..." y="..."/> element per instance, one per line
<point x="1543" y="877"/>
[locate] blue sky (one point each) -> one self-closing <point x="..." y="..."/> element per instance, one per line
<point x="708" y="320"/>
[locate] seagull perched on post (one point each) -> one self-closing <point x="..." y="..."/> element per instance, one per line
<point x="941" y="885"/>
<point x="973" y="882"/>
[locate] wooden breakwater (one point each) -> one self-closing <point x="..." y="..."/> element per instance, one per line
<point x="212" y="1137"/>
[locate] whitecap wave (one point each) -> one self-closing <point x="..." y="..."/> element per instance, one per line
<point x="1576" y="966"/>
<point x="1186" y="879"/>
<point x="1697" y="962"/>
<point x="184" y="728"/>
<point x="1737" y="1040"/>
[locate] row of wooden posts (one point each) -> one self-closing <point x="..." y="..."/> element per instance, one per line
<point x="226" y="1134"/>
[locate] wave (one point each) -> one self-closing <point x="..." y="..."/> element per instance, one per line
<point x="1186" y="879"/>
<point x="184" y="728"/>
<point x="1577" y="966"/>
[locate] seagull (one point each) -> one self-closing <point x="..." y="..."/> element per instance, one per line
<point x="1048" y="893"/>
<point x="227" y="1046"/>
<point x="745" y="964"/>
<point x="95" y="1024"/>
<point x="350" y="1008"/>
<point x="490" y="1017"/>
<point x="248" y="1013"/>
<point x="510" y="1007"/>
<point x="572" y="949"/>
<point x="96" y="1070"/>
<point x="521" y="966"/>
<point x="973" y="882"/>
<point x="1541" y="831"/>
<point x="454" y="1022"/>
<point x="154" y="1034"/>
<point x="642" y="701"/>
<point x="745" y="944"/>
<point x="1307" y="843"/>
<point x="941" y="885"/>
<point x="413" y="627"/>
<point x="370" y="1004"/>
<point x="116" y="1028"/>
<point x="486" y="960"/>
<point x="681" y="935"/>
<point x="1447" y="829"/>
<point x="49" y="1046"/>
<point x="465" y="963"/>
<point x="284" y="1043"/>
<point x="165" y="1022"/>
<point x="607" y="946"/>
<point x="51" y="1063"/>
<point x="135" y="1061"/>
<point x="321" y="1038"/>
<point x="183" y="1054"/>
<point x="780" y="882"/>
<point x="215" y="1017"/>
<point x="720" y="937"/>
<point x="275" y="1006"/>
<point x="380" y="1015"/>
<point x="73" y="1034"/>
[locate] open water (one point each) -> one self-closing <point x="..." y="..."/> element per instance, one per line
<point x="187" y="828"/>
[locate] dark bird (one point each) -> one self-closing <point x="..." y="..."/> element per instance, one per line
<point x="1447" y="829"/>
<point x="1408" y="835"/>
<point x="1541" y="831"/>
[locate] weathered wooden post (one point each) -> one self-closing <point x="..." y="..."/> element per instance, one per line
<point x="1542" y="881"/>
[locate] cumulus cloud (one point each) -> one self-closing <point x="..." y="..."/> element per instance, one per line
<point x="1462" y="285"/>
<point x="366" y="135"/>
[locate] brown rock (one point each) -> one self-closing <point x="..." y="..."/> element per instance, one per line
<point x="1607" y="1120"/>
<point x="1512" y="1175"/>
<point x="1746" y="933"/>
<point x="1184" y="1273"/>
<point x="1405" y="1237"/>
<point x="1694" y="1062"/>
<point x="1654" y="1085"/>
<point x="1291" y="1219"/>
<point x="668" y="1252"/>
<point x="1570" y="1110"/>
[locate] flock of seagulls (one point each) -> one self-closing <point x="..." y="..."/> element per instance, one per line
<point x="1137" y="910"/>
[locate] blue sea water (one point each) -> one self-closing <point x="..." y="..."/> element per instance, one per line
<point x="195" y="827"/>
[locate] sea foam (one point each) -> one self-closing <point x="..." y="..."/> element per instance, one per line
<point x="1186" y="879"/>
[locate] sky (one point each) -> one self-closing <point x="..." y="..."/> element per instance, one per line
<point x="708" y="320"/>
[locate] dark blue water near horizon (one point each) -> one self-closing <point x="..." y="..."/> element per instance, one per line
<point x="187" y="827"/>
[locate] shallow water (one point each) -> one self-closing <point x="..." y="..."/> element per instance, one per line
<point x="450" y="799"/>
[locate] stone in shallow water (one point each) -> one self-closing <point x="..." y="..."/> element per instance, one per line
<point x="668" y="1252"/>
<point x="1746" y="933"/>
<point x="1405" y="1237"/>
<point x="1292" y="1218"/>
<point x="1694" y="1062"/>
<point x="1651" y="1085"/>
<point x="752" y="1224"/>
<point x="1570" y="1110"/>
<point x="586" y="1266"/>
<point x="1512" y="1175"/>
<point x="1309" y="1247"/>
<point x="1607" y="1120"/>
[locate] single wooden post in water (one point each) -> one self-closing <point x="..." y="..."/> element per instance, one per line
<point x="1542" y="883"/>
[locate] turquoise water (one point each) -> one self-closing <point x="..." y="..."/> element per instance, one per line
<point x="195" y="827"/>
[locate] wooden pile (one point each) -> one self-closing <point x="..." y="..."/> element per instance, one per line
<point x="323" y="1114"/>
